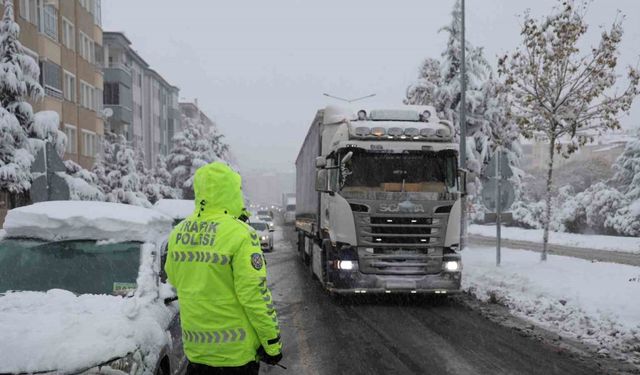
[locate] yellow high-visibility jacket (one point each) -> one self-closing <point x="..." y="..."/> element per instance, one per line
<point x="215" y="263"/>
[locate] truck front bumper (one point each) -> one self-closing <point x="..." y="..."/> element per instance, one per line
<point x="343" y="282"/>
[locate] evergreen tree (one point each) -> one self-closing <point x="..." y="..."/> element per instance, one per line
<point x="118" y="176"/>
<point x="158" y="183"/>
<point x="15" y="157"/>
<point x="195" y="146"/>
<point x="19" y="72"/>
<point x="83" y="184"/>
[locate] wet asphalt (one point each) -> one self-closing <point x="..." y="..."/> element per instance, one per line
<point x="322" y="335"/>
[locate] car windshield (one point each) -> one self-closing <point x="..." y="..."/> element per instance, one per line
<point x="260" y="226"/>
<point x="82" y="267"/>
<point x="410" y="172"/>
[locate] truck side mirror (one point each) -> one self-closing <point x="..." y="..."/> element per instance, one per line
<point x="322" y="180"/>
<point x="462" y="181"/>
<point x="321" y="162"/>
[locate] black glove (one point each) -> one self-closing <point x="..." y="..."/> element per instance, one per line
<point x="269" y="359"/>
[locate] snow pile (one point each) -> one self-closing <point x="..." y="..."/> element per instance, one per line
<point x="175" y="208"/>
<point x="68" y="220"/>
<point x="59" y="331"/>
<point x="596" y="242"/>
<point x="596" y="303"/>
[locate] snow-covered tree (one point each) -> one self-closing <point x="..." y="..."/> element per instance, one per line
<point x="46" y="126"/>
<point x="560" y="91"/>
<point x="19" y="72"/>
<point x="195" y="146"/>
<point x="83" y="184"/>
<point x="627" y="170"/>
<point x="117" y="174"/>
<point x="15" y="157"/>
<point x="158" y="183"/>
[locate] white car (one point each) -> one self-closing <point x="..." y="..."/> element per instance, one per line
<point x="81" y="291"/>
<point x="265" y="234"/>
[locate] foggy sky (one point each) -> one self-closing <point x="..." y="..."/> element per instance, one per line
<point x="259" y="68"/>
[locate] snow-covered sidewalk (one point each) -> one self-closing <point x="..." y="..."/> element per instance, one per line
<point x="596" y="303"/>
<point x="596" y="242"/>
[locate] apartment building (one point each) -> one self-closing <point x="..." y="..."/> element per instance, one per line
<point x="144" y="105"/>
<point x="65" y="37"/>
<point x="192" y="110"/>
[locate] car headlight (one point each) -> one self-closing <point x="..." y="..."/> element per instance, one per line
<point x="129" y="364"/>
<point x="264" y="238"/>
<point x="452" y="266"/>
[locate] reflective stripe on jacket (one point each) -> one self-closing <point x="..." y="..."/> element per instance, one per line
<point x="217" y="267"/>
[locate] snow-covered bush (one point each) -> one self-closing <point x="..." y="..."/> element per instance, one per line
<point x="195" y="146"/>
<point x="117" y="174"/>
<point x="527" y="214"/>
<point x="627" y="170"/>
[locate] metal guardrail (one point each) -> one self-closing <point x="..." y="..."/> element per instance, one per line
<point x="619" y="257"/>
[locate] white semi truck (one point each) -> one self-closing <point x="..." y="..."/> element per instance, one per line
<point x="289" y="206"/>
<point x="378" y="201"/>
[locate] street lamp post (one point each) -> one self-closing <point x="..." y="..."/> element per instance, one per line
<point x="463" y="130"/>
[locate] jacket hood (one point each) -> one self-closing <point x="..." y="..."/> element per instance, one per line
<point x="218" y="190"/>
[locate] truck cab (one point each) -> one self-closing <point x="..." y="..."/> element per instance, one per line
<point x="383" y="214"/>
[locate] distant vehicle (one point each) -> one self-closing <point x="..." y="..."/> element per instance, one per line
<point x="81" y="291"/>
<point x="378" y="206"/>
<point x="265" y="234"/>
<point x="265" y="214"/>
<point x="289" y="204"/>
<point x="177" y="209"/>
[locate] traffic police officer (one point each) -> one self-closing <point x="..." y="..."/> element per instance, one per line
<point x="215" y="263"/>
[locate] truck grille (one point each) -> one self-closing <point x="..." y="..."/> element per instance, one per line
<point x="399" y="231"/>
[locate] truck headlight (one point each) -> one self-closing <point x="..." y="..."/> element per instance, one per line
<point x="346" y="265"/>
<point x="452" y="266"/>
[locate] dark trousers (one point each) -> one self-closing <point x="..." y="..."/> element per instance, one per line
<point x="251" y="368"/>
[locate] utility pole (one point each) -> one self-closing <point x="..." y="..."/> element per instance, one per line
<point x="463" y="131"/>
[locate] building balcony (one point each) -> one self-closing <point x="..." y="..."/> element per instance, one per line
<point x="121" y="114"/>
<point x="118" y="74"/>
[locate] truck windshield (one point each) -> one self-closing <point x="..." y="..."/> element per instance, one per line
<point x="77" y="266"/>
<point x="410" y="172"/>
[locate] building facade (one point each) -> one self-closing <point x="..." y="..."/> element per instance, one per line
<point x="144" y="106"/>
<point x="65" y="37"/>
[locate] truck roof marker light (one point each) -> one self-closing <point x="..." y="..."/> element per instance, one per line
<point x="427" y="132"/>
<point x="378" y="239"/>
<point x="389" y="220"/>
<point x="396" y="132"/>
<point x="411" y="132"/>
<point x="363" y="131"/>
<point x="414" y="220"/>
<point x="414" y="291"/>
<point x="423" y="240"/>
<point x="387" y="291"/>
<point x="378" y="132"/>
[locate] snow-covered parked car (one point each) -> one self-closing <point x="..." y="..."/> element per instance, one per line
<point x="81" y="292"/>
<point x="265" y="233"/>
<point x="177" y="209"/>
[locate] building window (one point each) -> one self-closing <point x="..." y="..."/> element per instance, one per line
<point x="89" y="146"/>
<point x="51" y="21"/>
<point x="87" y="48"/>
<point x="72" y="138"/>
<point x="111" y="93"/>
<point x="86" y="95"/>
<point x="29" y="10"/>
<point x="68" y="34"/>
<point x="98" y="99"/>
<point x="51" y="78"/>
<point x="97" y="15"/>
<point x="69" y="86"/>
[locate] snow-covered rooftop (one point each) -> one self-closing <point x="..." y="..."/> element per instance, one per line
<point x="75" y="220"/>
<point x="176" y="208"/>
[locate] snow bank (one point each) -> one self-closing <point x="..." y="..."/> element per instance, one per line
<point x="59" y="331"/>
<point x="176" y="208"/>
<point x="69" y="220"/>
<point x="597" y="242"/>
<point x="596" y="303"/>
